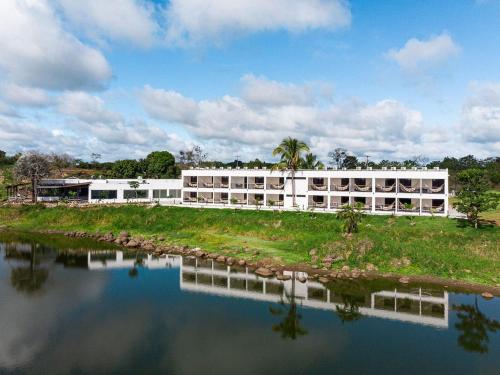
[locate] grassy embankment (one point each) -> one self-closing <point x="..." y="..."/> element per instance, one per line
<point x="429" y="246"/>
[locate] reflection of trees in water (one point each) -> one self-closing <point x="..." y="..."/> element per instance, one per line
<point x="29" y="279"/>
<point x="349" y="311"/>
<point x="474" y="327"/>
<point x="134" y="272"/>
<point x="289" y="327"/>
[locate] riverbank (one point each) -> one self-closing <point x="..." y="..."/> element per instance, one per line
<point x="421" y="248"/>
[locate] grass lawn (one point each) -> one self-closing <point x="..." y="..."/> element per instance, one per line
<point x="427" y="246"/>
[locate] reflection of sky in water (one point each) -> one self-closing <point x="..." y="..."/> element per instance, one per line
<point x="105" y="320"/>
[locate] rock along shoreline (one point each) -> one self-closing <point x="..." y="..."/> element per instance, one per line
<point x="264" y="268"/>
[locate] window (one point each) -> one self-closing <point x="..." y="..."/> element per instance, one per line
<point x="318" y="199"/>
<point x="259" y="180"/>
<point x="159" y="194"/>
<point x="135" y="194"/>
<point x="224" y="196"/>
<point x="318" y="181"/>
<point x="174" y="193"/>
<point x="103" y="194"/>
<point x="224" y="180"/>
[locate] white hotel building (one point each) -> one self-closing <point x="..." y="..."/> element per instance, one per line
<point x="417" y="191"/>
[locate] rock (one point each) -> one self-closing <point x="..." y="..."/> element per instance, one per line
<point x="333" y="274"/>
<point x="132" y="243"/>
<point x="302" y="279"/>
<point x="467" y="271"/>
<point x="327" y="264"/>
<point x="313" y="252"/>
<point x="230" y="261"/>
<point x="148" y="247"/>
<point x="264" y="272"/>
<point x="220" y="259"/>
<point x="283" y="277"/>
<point x="487" y="295"/>
<point x="213" y="255"/>
<point x="200" y="253"/>
<point x="404" y="280"/>
<point x="118" y="241"/>
<point x="314" y="258"/>
<point x="345" y="269"/>
<point x="323" y="279"/>
<point x="241" y="262"/>
<point x="370" y="267"/>
<point x="124" y="234"/>
<point x="327" y="260"/>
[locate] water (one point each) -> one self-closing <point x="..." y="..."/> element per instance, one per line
<point x="75" y="306"/>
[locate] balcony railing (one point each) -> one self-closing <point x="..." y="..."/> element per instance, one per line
<point x="256" y="185"/>
<point x="408" y="189"/>
<point x="339" y="187"/>
<point x="430" y="190"/>
<point x="238" y="185"/>
<point x="221" y="185"/>
<point x="363" y="188"/>
<point x="191" y="184"/>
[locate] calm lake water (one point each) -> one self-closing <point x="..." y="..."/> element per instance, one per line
<point x="75" y="306"/>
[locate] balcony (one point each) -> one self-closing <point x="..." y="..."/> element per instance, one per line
<point x="239" y="183"/>
<point x="337" y="202"/>
<point x="409" y="205"/>
<point x="275" y="183"/>
<point x="190" y="182"/>
<point x="433" y="186"/>
<point x="275" y="200"/>
<point x="238" y="198"/>
<point x="317" y="184"/>
<point x="363" y="185"/>
<point x="363" y="203"/>
<point x="189" y="197"/>
<point x="385" y="204"/>
<point x="433" y="206"/>
<point x="256" y="183"/>
<point x="221" y="198"/>
<point x="221" y="182"/>
<point x="206" y="182"/>
<point x="317" y="201"/>
<point x="205" y="198"/>
<point x="385" y="185"/>
<point x="409" y="186"/>
<point x="339" y="184"/>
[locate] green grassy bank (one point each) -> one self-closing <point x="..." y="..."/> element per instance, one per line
<point x="429" y="246"/>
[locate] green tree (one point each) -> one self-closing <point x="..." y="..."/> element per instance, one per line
<point x="351" y="216"/>
<point x="474" y="327"/>
<point x="474" y="198"/>
<point x="350" y="162"/>
<point x="290" y="151"/>
<point x="134" y="185"/>
<point x="337" y="156"/>
<point x="311" y="162"/>
<point x="29" y="279"/>
<point x="289" y="327"/>
<point x="160" y="164"/>
<point x="126" y="169"/>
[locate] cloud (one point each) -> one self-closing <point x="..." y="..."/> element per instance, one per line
<point x="195" y="21"/>
<point x="419" y="55"/>
<point x="480" y="117"/>
<point x="25" y="96"/>
<point x="86" y="108"/>
<point x="36" y="51"/>
<point x="121" y="20"/>
<point x="240" y="123"/>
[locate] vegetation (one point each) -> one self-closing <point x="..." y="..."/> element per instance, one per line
<point x="351" y="217"/>
<point x="32" y="166"/>
<point x="432" y="246"/>
<point x="474" y="197"/>
<point x="290" y="151"/>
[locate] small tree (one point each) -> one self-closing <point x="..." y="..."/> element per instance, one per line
<point x="33" y="166"/>
<point x="134" y="185"/>
<point x="474" y="198"/>
<point x="409" y="207"/>
<point x="351" y="215"/>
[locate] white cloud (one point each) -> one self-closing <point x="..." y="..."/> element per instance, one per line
<point x="194" y="21"/>
<point x="86" y="108"/>
<point x="422" y="54"/>
<point x="25" y="96"/>
<point x="36" y="51"/>
<point x="480" y="118"/>
<point x="122" y="20"/>
<point x="241" y="123"/>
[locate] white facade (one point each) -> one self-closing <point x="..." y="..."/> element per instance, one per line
<point x="112" y="190"/>
<point x="382" y="191"/>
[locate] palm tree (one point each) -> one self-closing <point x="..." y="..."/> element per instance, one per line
<point x="311" y="162"/>
<point x="289" y="327"/>
<point x="290" y="150"/>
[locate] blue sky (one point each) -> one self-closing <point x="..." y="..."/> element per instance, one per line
<point x="393" y="79"/>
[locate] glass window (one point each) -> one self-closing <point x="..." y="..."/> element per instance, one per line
<point x="103" y="194"/>
<point x="174" y="193"/>
<point x="159" y="194"/>
<point x="135" y="194"/>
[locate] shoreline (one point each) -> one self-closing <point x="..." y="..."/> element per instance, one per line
<point x="267" y="269"/>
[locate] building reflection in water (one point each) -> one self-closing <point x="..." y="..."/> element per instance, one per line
<point x="407" y="304"/>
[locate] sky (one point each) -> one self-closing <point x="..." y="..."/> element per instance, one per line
<point x="389" y="79"/>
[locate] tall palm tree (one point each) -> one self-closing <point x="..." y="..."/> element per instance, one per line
<point x="311" y="162"/>
<point x="290" y="150"/>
